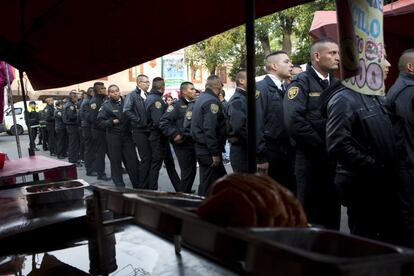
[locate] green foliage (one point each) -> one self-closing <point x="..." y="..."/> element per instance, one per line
<point x="287" y="30"/>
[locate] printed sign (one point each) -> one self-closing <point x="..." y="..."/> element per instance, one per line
<point x="361" y="45"/>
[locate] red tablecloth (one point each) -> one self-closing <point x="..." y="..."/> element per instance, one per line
<point x="51" y="168"/>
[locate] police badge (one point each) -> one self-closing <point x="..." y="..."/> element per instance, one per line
<point x="293" y="92"/>
<point x="158" y="105"/>
<point x="189" y="115"/>
<point x="214" y="108"/>
<point x="93" y="105"/>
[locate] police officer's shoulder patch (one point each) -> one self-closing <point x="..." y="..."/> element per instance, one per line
<point x="293" y="92"/>
<point x="189" y="115"/>
<point x="93" y="105"/>
<point x="257" y="95"/>
<point x="59" y="113"/>
<point x="158" y="104"/>
<point x="72" y="107"/>
<point x="214" y="108"/>
<point x="170" y="108"/>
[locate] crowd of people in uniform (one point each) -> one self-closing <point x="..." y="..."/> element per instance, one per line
<point x="327" y="143"/>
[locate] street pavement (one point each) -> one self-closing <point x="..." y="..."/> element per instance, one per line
<point x="8" y="145"/>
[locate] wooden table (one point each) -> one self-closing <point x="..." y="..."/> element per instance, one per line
<point x="52" y="169"/>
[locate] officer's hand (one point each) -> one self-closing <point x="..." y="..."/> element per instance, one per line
<point x="263" y="168"/>
<point x="178" y="139"/>
<point x="115" y="121"/>
<point x="216" y="160"/>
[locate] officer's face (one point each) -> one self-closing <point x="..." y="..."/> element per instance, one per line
<point x="114" y="93"/>
<point x="328" y="56"/>
<point x="387" y="65"/>
<point x="283" y="66"/>
<point x="143" y="83"/>
<point x="296" y="70"/>
<point x="102" y="90"/>
<point x="190" y="93"/>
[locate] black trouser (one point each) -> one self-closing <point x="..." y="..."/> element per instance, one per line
<point x="160" y="152"/>
<point x="121" y="148"/>
<point x="81" y="145"/>
<point x="144" y="150"/>
<point x="100" y="148"/>
<point x="188" y="166"/>
<point x="51" y="138"/>
<point x="281" y="164"/>
<point x="40" y="137"/>
<point x="208" y="174"/>
<point x="89" y="153"/>
<point x="316" y="189"/>
<point x="73" y="149"/>
<point x="406" y="200"/>
<point x="33" y="131"/>
<point x="372" y="201"/>
<point x="45" y="139"/>
<point x="61" y="142"/>
<point x="238" y="158"/>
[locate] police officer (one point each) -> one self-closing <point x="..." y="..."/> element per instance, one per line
<point x="315" y="172"/>
<point x="208" y="129"/>
<point x="119" y="138"/>
<point x="60" y="129"/>
<point x="98" y="134"/>
<point x="272" y="137"/>
<point x="134" y="109"/>
<point x="236" y="112"/>
<point x="49" y="114"/>
<point x="172" y="126"/>
<point x="400" y="101"/>
<point x="70" y="118"/>
<point x="33" y="117"/>
<point x="86" y="132"/>
<point x="43" y="138"/>
<point x="155" y="107"/>
<point x="81" y="140"/>
<point x="359" y="136"/>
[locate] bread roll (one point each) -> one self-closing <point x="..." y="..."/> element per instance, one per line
<point x="250" y="200"/>
<point x="239" y="182"/>
<point x="230" y="207"/>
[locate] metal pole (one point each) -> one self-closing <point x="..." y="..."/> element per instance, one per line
<point x="10" y="93"/>
<point x="19" y="149"/>
<point x="26" y="115"/>
<point x="249" y="6"/>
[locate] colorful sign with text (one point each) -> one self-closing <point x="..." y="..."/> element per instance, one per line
<point x="362" y="45"/>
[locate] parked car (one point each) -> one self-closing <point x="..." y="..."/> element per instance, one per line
<point x="21" y="126"/>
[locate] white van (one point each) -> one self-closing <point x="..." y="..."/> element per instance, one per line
<point x="19" y="111"/>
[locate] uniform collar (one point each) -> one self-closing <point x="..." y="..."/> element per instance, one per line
<point x="276" y="81"/>
<point x="320" y="75"/>
<point x="209" y="91"/>
<point x="184" y="100"/>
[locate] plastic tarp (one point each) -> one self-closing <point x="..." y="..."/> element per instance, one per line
<point x="59" y="43"/>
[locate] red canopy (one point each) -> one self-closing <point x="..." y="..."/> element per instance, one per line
<point x="398" y="30"/>
<point x="58" y="43"/>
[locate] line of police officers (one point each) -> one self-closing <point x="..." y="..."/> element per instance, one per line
<point x="328" y="144"/>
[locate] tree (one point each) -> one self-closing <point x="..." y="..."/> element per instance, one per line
<point x="211" y="52"/>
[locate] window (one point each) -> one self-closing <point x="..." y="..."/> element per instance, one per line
<point x="135" y="71"/>
<point x="222" y="73"/>
<point x="17" y="111"/>
<point x="196" y="74"/>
